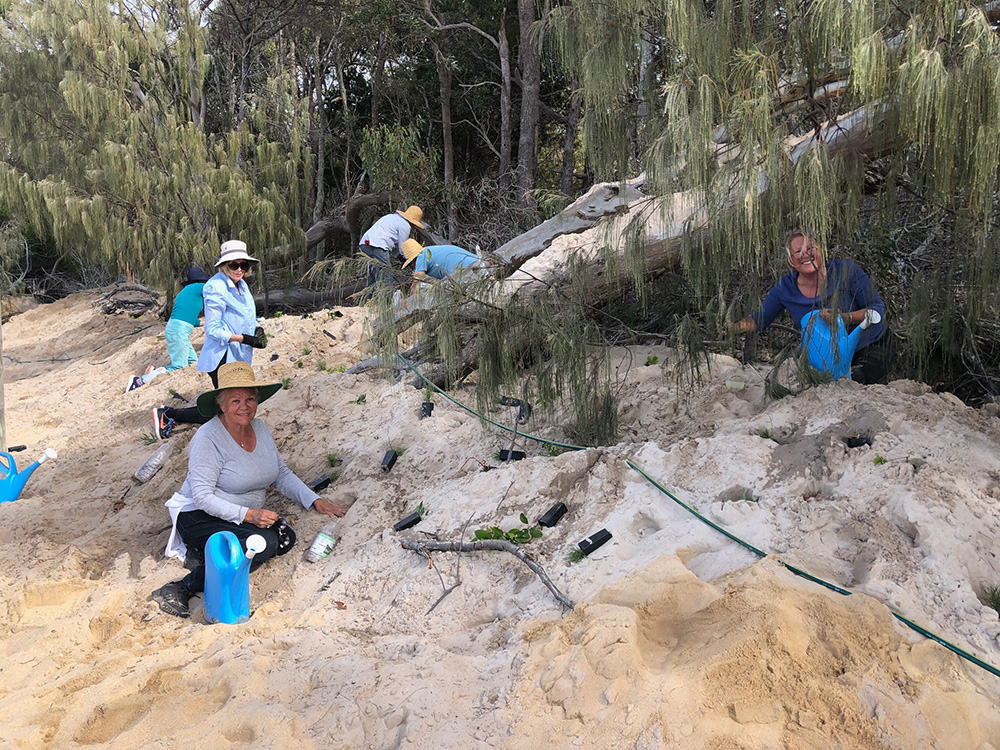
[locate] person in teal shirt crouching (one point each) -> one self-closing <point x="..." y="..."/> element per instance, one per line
<point x="188" y="306"/>
<point x="435" y="261"/>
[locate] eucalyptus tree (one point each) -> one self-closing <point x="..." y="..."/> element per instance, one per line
<point x="104" y="142"/>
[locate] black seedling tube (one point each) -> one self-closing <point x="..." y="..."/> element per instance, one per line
<point x="594" y="541"/>
<point x="552" y="515"/>
<point x="389" y="460"/>
<point x="411" y="520"/>
<point x="511" y="455"/>
<point x="16" y="448"/>
<point x="320" y="483"/>
<point x="426" y="408"/>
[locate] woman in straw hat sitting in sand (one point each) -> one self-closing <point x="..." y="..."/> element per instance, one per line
<point x="232" y="460"/>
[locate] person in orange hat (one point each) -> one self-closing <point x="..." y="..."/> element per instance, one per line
<point x="385" y="237"/>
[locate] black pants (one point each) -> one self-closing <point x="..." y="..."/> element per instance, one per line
<point x="196" y="526"/>
<point x="382" y="269"/>
<point x="872" y="364"/>
<point x="190" y="414"/>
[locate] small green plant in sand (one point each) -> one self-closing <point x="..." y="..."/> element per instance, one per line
<point x="300" y="364"/>
<point x="321" y="365"/>
<point x="149" y="438"/>
<point x="575" y="555"/>
<point x="878" y="460"/>
<point x="398" y="450"/>
<point x="422" y="510"/>
<point x="278" y="313"/>
<point x="332" y="460"/>
<point x="496" y="455"/>
<point x="991" y="597"/>
<point x="305" y="351"/>
<point x="552" y="450"/>
<point x="516" y="535"/>
<point x="339" y="368"/>
<point x="651" y="360"/>
<point x="286" y="383"/>
<point x="763" y="432"/>
<point x="361" y="399"/>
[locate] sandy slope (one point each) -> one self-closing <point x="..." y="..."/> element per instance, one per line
<point x="681" y="637"/>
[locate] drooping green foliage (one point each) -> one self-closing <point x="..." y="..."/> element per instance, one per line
<point x="101" y="125"/>
<point x="874" y="123"/>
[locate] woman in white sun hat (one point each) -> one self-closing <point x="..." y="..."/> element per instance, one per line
<point x="231" y="330"/>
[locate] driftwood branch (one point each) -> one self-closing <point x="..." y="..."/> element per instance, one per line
<point x="492" y="544"/>
<point x="134" y="299"/>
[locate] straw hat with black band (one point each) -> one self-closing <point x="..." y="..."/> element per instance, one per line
<point x="234" y="250"/>
<point x="414" y="215"/>
<point x="235" y="375"/>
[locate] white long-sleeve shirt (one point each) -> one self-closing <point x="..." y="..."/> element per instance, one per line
<point x="388" y="233"/>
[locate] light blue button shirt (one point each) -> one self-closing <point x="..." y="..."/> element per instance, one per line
<point x="226" y="313"/>
<point x="388" y="233"/>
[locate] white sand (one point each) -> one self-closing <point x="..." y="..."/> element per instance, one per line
<point x="681" y="638"/>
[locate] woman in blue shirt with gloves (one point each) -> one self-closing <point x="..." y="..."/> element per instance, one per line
<point x="231" y="330"/>
<point x="833" y="287"/>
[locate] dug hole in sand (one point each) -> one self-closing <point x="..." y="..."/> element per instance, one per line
<point x="681" y="638"/>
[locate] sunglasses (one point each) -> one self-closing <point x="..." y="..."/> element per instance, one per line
<point x="239" y="265"/>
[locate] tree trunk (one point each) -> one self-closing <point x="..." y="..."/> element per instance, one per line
<point x="530" y="64"/>
<point x="506" y="127"/>
<point x="448" y="148"/>
<point x="569" y="145"/>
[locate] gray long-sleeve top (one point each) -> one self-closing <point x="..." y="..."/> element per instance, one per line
<point x="225" y="481"/>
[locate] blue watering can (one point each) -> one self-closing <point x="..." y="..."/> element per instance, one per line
<point x="227" y="577"/>
<point x="11" y="480"/>
<point x="828" y="346"/>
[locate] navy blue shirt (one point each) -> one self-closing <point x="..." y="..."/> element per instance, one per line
<point x="848" y="288"/>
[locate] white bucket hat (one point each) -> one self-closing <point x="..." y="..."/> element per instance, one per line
<point x="234" y="250"/>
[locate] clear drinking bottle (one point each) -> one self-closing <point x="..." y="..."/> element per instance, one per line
<point x="324" y="543"/>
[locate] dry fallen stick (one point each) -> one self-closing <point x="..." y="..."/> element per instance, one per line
<point x="494" y="544"/>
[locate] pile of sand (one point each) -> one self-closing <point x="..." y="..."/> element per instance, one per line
<point x="681" y="638"/>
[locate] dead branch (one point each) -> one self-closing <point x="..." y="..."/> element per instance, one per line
<point x="493" y="544"/>
<point x="134" y="299"/>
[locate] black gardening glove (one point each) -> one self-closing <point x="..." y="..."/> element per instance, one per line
<point x="256" y="341"/>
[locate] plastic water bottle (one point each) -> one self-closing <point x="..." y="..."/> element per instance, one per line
<point x="324" y="543"/>
<point x="152" y="464"/>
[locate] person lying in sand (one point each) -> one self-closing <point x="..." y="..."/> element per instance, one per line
<point x="232" y="460"/>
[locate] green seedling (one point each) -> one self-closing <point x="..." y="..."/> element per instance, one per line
<point x="340" y="368"/>
<point x="399" y="451"/>
<point x="550" y="450"/>
<point x="991" y="597"/>
<point x="516" y="535"/>
<point x="321" y="365"/>
<point x="575" y="555"/>
<point x="278" y="313"/>
<point x="421" y="510"/>
<point x="878" y="460"/>
<point x="332" y="460"/>
<point x="299" y="364"/>
<point x="286" y="383"/>
<point x="305" y="351"/>
<point x="149" y="438"/>
<point x="765" y="433"/>
<point x="361" y="399"/>
<point x="651" y="360"/>
<point x="496" y="455"/>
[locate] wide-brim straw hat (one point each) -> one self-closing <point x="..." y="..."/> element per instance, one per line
<point x="414" y="215"/>
<point x="235" y="375"/>
<point x="411" y="249"/>
<point x="234" y="250"/>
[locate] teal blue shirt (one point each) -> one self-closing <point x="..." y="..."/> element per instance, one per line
<point x="188" y="303"/>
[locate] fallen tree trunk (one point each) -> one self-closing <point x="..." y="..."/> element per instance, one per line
<point x="299" y="299"/>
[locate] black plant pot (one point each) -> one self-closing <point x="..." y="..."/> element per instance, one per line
<point x="512" y="455"/>
<point x="594" y="541"/>
<point x="426" y="408"/>
<point x="411" y="520"/>
<point x="552" y="515"/>
<point x="320" y="483"/>
<point x="389" y="460"/>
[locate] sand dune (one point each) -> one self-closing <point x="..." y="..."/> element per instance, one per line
<point x="681" y="638"/>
